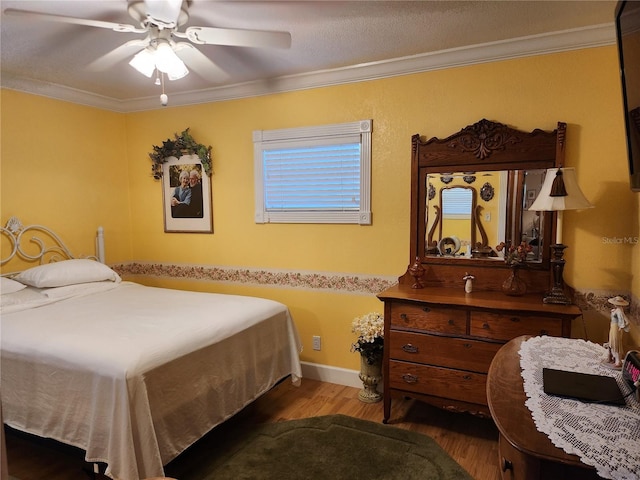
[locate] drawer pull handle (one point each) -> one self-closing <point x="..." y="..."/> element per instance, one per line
<point x="544" y="332"/>
<point x="426" y="309"/>
<point x="466" y="377"/>
<point x="410" y="348"/>
<point x="466" y="345"/>
<point x="506" y="465"/>
<point x="403" y="316"/>
<point x="515" y="319"/>
<point x="485" y="326"/>
<point x="451" y="322"/>
<point x="407" y="377"/>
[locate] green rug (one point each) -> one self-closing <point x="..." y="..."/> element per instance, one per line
<point x="332" y="447"/>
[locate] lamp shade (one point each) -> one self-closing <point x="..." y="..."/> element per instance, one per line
<point x="573" y="200"/>
<point x="144" y="62"/>
<point x="168" y="62"/>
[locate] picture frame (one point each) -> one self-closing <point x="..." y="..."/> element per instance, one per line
<point x="187" y="207"/>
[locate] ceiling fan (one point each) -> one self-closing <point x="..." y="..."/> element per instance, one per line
<point x="159" y="51"/>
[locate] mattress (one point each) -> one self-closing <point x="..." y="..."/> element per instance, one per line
<point x="134" y="374"/>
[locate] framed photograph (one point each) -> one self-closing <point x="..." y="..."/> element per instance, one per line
<point x="186" y="196"/>
<point x="531" y="194"/>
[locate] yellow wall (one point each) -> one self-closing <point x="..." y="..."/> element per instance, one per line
<point x="65" y="166"/>
<point x="579" y="87"/>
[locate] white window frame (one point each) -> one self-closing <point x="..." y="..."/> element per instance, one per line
<point x="309" y="136"/>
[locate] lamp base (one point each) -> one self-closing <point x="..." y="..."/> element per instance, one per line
<point x="557" y="295"/>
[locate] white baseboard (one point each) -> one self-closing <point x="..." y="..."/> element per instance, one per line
<point x="326" y="373"/>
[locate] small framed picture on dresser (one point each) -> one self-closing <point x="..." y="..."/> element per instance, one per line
<point x="186" y="196"/>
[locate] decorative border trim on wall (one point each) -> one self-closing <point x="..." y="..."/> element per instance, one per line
<point x="334" y="282"/>
<point x="597" y="300"/>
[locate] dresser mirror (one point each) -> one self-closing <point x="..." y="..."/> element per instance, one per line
<point x="472" y="190"/>
<point x="467" y="219"/>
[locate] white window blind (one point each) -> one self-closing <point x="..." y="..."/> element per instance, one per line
<point x="456" y="203"/>
<point x="314" y="174"/>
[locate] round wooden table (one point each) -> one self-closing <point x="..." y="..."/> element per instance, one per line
<point x="525" y="453"/>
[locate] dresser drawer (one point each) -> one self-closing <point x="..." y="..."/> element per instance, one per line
<point x="438" y="381"/>
<point x="459" y="353"/>
<point x="505" y="327"/>
<point x="422" y="317"/>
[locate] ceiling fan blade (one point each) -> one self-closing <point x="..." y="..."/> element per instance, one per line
<point x="166" y="11"/>
<point x="199" y="62"/>
<point x="118" y="27"/>
<point x="238" y="38"/>
<point x="117" y="55"/>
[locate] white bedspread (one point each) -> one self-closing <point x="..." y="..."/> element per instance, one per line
<point x="134" y="374"/>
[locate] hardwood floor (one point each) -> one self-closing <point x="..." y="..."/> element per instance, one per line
<point x="471" y="441"/>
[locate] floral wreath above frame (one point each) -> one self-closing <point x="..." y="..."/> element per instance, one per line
<point x="182" y="144"/>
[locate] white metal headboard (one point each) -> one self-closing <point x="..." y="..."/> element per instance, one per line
<point x="52" y="248"/>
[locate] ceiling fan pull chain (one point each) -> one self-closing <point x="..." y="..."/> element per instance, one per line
<point x="164" y="99"/>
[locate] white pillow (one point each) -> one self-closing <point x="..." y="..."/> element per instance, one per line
<point x="10" y="286"/>
<point x="67" y="272"/>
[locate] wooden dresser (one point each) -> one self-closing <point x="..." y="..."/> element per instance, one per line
<point x="439" y="342"/>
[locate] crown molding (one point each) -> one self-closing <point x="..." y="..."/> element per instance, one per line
<point x="555" y="42"/>
<point x="61" y="92"/>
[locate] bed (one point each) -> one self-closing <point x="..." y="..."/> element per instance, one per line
<point x="131" y="374"/>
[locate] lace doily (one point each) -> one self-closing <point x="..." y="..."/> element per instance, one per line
<point x="606" y="437"/>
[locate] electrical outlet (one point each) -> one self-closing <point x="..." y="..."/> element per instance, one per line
<point x="316" y="342"/>
<point x="487" y="217"/>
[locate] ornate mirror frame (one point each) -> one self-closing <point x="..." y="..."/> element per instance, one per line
<point x="481" y="147"/>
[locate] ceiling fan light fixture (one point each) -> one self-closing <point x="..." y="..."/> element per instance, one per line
<point x="160" y="21"/>
<point x="144" y="62"/>
<point x="168" y="62"/>
<point x="178" y="74"/>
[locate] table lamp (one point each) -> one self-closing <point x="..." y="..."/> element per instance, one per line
<point x="559" y="192"/>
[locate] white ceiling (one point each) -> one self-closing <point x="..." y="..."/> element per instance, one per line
<point x="332" y="42"/>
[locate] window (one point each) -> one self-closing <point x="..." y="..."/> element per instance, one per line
<point x="314" y="174"/>
<point x="456" y="203"/>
